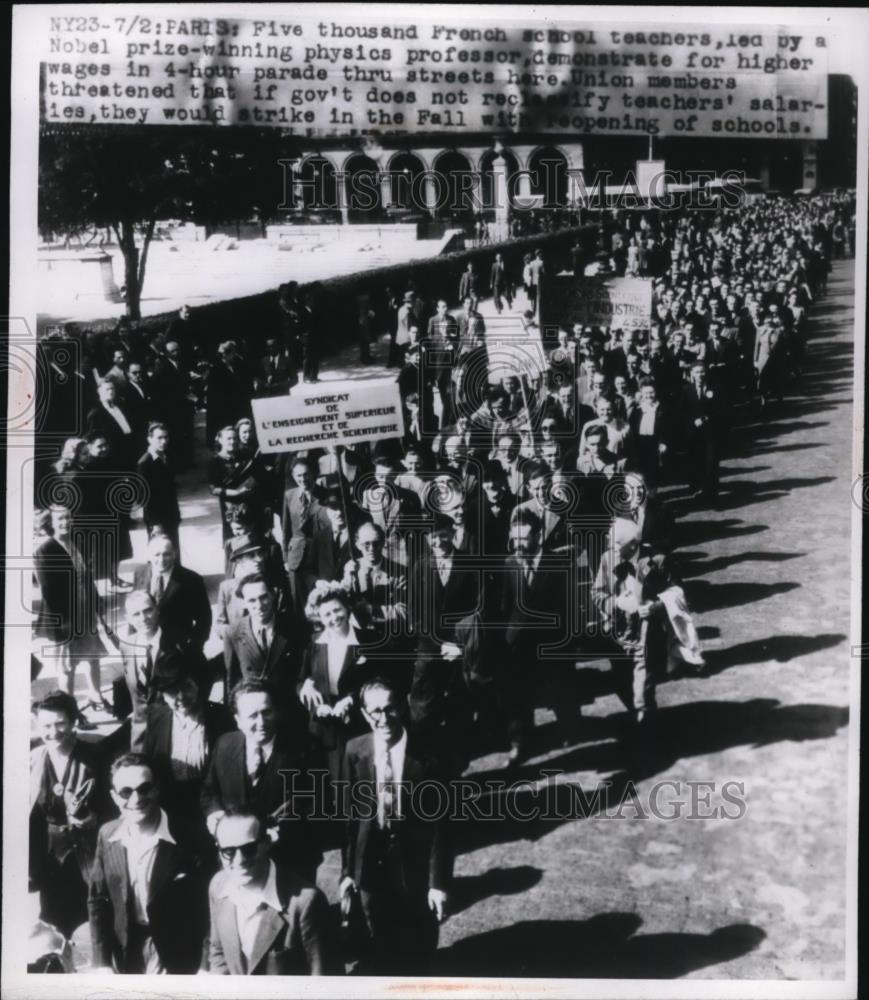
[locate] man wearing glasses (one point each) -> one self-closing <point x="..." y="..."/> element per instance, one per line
<point x="397" y="860"/>
<point x="264" y="920"/>
<point x="146" y="899"/>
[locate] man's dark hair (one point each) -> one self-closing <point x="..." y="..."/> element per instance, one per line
<point x="133" y="759"/>
<point x="57" y="701"/>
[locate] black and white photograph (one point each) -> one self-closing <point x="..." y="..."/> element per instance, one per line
<point x="433" y="500"/>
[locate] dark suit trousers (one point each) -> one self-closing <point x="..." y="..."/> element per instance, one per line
<point x="403" y="931"/>
<point x="439" y="700"/>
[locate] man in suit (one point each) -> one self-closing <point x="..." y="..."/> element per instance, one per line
<point x="275" y="376"/>
<point x="397" y="864"/>
<point x="110" y="419"/>
<point x="258" y="768"/>
<point x="391" y="508"/>
<point x="304" y="524"/>
<point x="228" y="391"/>
<point x="143" y="647"/>
<point x="625" y="592"/>
<point x="258" y="646"/>
<point x="378" y="586"/>
<point x="137" y="401"/>
<point x="497" y="510"/>
<point x="181" y="731"/>
<point x="507" y="454"/>
<point x="160" y="508"/>
<point x="171" y="392"/>
<point x="648" y="513"/>
<point x="333" y="539"/>
<point x="443" y="591"/>
<point x="405" y="319"/>
<point x="554" y="535"/>
<point x="183" y="608"/>
<point x="264" y="920"/>
<point x="649" y="423"/>
<point x="441" y="343"/>
<point x="534" y="612"/>
<point x="146" y="898"/>
<point x="500" y="284"/>
<point x="702" y="413"/>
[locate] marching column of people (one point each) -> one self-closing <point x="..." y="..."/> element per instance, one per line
<point x="390" y="611"/>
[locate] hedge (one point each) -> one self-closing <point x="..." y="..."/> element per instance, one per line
<point x="255" y="317"/>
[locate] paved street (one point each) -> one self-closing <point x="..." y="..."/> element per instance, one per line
<point x="757" y="897"/>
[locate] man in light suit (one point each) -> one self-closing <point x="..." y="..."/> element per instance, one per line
<point x="441" y="344"/>
<point x="183" y="608"/>
<point x="624" y="592"/>
<point x="302" y="520"/>
<point x="397" y="864"/>
<point x="146" y="899"/>
<point x="264" y="920"/>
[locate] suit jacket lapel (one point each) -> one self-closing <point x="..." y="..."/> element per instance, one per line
<point x="276" y="649"/>
<point x="164" y="867"/>
<point x="227" y="931"/>
<point x="116" y="870"/>
<point x="271" y="925"/>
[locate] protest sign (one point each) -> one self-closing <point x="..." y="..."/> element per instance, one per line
<point x="620" y="303"/>
<point x="332" y="413"/>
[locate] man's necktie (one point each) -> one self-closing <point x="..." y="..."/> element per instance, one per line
<point x="387" y="792"/>
<point x="145" y="671"/>
<point x="529" y="574"/>
<point x="304" y="500"/>
<point x="157" y="589"/>
<point x="264" y="640"/>
<point x="259" y="765"/>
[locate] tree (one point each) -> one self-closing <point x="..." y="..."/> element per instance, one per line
<point x="127" y="179"/>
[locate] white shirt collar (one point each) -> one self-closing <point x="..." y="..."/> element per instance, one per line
<point x="249" y="899"/>
<point x="127" y="834"/>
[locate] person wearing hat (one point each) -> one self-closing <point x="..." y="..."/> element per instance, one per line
<point x="335" y="545"/>
<point x="181" y="731"/>
<point x="624" y="590"/>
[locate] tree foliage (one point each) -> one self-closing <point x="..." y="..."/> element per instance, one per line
<point x="127" y="179"/>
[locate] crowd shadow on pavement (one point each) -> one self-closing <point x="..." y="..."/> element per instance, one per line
<point x="779" y="648"/>
<point x="527" y="802"/>
<point x="606" y="946"/>
<point x="470" y="889"/>
<point x="715" y="529"/>
<point x="694" y="563"/>
<point x="704" y="596"/>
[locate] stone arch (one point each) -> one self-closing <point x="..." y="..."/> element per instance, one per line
<point x="362" y="188"/>
<point x="319" y="184"/>
<point x="547" y="171"/>
<point x="455" y="185"/>
<point x="406" y="170"/>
